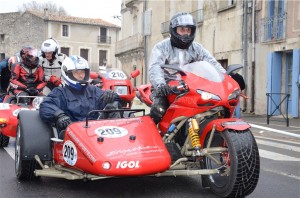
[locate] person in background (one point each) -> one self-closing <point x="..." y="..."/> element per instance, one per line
<point x="51" y="60"/>
<point x="72" y="102"/>
<point x="4" y="75"/>
<point x="179" y="49"/>
<point x="27" y="76"/>
<point x="14" y="60"/>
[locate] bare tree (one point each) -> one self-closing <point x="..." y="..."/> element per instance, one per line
<point x="52" y="7"/>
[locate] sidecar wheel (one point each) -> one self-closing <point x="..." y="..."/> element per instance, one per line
<point x="239" y="171"/>
<point x="24" y="168"/>
<point x="4" y="140"/>
<point x="10" y="100"/>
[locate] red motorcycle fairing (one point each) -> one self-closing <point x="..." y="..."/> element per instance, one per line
<point x="222" y="124"/>
<point x="129" y="147"/>
<point x="191" y="103"/>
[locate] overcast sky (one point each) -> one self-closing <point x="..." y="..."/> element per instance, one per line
<point x="104" y="9"/>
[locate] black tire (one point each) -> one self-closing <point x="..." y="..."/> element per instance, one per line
<point x="24" y="168"/>
<point x="4" y="140"/>
<point x="242" y="159"/>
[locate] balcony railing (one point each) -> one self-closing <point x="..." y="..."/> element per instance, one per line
<point x="273" y="28"/>
<point x="134" y="42"/>
<point x="198" y="16"/>
<point x="104" y="39"/>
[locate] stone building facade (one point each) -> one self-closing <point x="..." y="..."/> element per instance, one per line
<point x="93" y="39"/>
<point x="258" y="34"/>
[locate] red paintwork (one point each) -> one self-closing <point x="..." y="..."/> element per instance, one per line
<point x="110" y="81"/>
<point x="191" y="103"/>
<point x="148" y="149"/>
<point x="11" y="120"/>
<point x="236" y="124"/>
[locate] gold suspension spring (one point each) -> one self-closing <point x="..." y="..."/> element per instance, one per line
<point x="193" y="133"/>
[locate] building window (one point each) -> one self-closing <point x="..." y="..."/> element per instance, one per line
<point x="225" y="5"/>
<point x="65" y="50"/>
<point x="84" y="53"/>
<point x="103" y="35"/>
<point x="65" y="30"/>
<point x="224" y="63"/>
<point x="2" y="56"/>
<point x="102" y="57"/>
<point x="2" y="36"/>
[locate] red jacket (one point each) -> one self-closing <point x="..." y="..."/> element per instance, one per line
<point x="24" y="77"/>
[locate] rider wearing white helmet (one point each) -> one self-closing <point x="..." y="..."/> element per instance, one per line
<point x="51" y="60"/>
<point x="72" y="102"/>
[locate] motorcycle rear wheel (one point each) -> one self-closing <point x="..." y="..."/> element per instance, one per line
<point x="241" y="160"/>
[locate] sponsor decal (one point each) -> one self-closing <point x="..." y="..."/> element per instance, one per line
<point x="130" y="164"/>
<point x="81" y="147"/>
<point x="70" y="153"/>
<point x="4" y="106"/>
<point x="111" y="131"/>
<point x="136" y="151"/>
<point x="117" y="75"/>
<point x="17" y="111"/>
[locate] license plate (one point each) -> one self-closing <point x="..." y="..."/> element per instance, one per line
<point x="121" y="90"/>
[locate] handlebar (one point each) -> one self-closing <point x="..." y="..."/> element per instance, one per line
<point x="181" y="88"/>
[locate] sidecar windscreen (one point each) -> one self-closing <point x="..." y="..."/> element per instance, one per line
<point x="205" y="70"/>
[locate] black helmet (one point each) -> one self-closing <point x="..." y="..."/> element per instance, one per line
<point x="186" y="20"/>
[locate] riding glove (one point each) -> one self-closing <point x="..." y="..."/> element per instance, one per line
<point x="62" y="121"/>
<point x="56" y="81"/>
<point x="108" y="96"/>
<point x="32" y="91"/>
<point x="163" y="89"/>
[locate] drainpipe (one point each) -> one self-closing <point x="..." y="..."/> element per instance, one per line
<point x="145" y="73"/>
<point x="253" y="59"/>
<point x="245" y="54"/>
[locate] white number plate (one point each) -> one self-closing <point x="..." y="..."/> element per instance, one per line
<point x="121" y="90"/>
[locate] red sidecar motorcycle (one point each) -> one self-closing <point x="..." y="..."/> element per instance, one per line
<point x="9" y="111"/>
<point x="197" y="136"/>
<point x="117" y="80"/>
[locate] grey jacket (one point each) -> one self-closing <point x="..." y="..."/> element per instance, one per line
<point x="163" y="53"/>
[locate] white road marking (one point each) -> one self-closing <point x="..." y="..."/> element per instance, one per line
<point x="274" y="139"/>
<point x="282" y="173"/>
<point x="276" y="156"/>
<point x="275" y="130"/>
<point x="278" y="145"/>
<point x="10" y="149"/>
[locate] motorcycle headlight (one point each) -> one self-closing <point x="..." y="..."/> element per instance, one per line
<point x="207" y="96"/>
<point x="37" y="101"/>
<point x="234" y="95"/>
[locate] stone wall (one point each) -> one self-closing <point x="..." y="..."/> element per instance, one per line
<point x="7" y="21"/>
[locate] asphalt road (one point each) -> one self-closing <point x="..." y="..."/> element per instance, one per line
<point x="279" y="177"/>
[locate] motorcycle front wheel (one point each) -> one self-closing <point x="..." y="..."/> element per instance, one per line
<point x="239" y="166"/>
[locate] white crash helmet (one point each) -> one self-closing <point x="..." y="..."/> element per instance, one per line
<point x="75" y="63"/>
<point x="50" y="45"/>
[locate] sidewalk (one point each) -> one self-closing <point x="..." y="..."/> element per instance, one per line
<point x="277" y="122"/>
